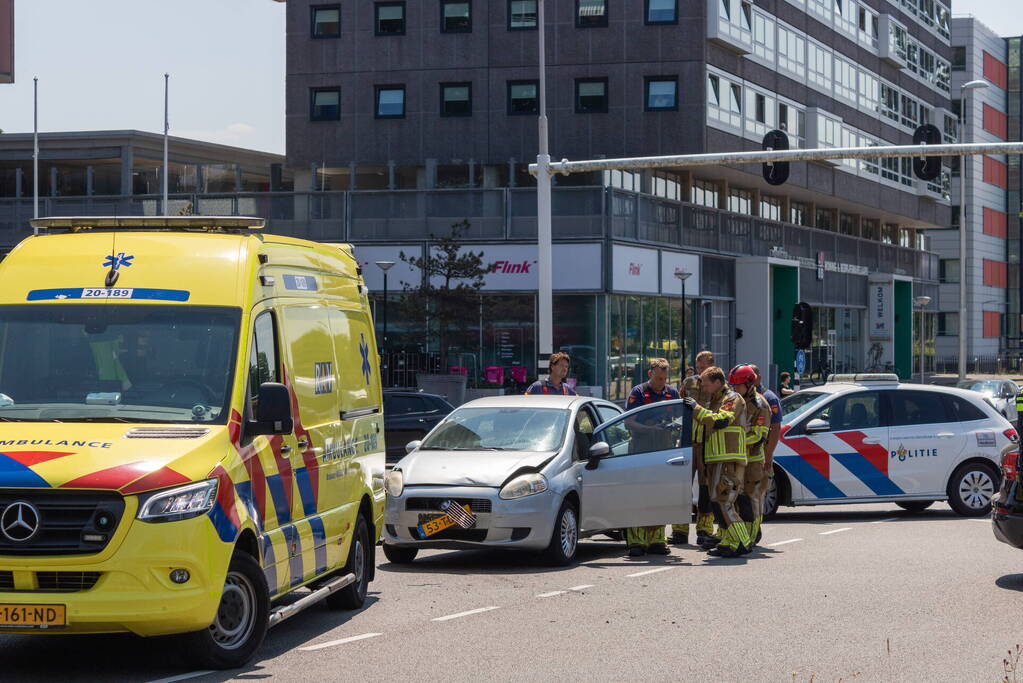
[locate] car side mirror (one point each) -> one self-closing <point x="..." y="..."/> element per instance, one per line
<point x="597" y="451"/>
<point x="412" y="445"/>
<point x="273" y="410"/>
<point x="815" y="426"/>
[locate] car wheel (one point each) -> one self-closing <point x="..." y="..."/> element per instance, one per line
<point x="916" y="505"/>
<point x="397" y="555"/>
<point x="241" y="620"/>
<point x="565" y="537"/>
<point x="971" y="488"/>
<point x="771" y="498"/>
<point x="360" y="563"/>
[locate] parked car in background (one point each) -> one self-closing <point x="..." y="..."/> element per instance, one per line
<point x="1001" y="393"/>
<point x="409" y="416"/>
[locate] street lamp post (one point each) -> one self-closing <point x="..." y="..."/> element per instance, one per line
<point x="921" y="303"/>
<point x="545" y="316"/>
<point x="682" y="276"/>
<point x="385" y="266"/>
<point x="964" y="91"/>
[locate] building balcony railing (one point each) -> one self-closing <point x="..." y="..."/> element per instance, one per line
<point x="497" y="214"/>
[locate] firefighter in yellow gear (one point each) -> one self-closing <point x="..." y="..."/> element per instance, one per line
<point x="744" y="380"/>
<point x="702" y="512"/>
<point x="721" y="424"/>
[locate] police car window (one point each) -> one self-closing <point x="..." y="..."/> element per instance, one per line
<point x="861" y="410"/>
<point x="798" y="403"/>
<point x="653" y="429"/>
<point x="917" y="408"/>
<point x="963" y="411"/>
<point x="262" y="357"/>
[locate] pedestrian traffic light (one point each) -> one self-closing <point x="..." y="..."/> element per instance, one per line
<point x="802" y="325"/>
<point x="776" y="172"/>
<point x="927" y="168"/>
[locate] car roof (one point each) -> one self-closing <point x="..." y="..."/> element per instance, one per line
<point x="401" y="392"/>
<point x="528" y="400"/>
<point x="844" y="387"/>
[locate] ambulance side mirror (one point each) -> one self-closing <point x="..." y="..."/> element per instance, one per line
<point x="273" y="410"/>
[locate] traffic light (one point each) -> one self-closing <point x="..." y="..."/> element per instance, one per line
<point x="927" y="168"/>
<point x="776" y="172"/>
<point x="802" y="325"/>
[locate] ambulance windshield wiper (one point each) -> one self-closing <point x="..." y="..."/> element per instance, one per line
<point x="111" y="418"/>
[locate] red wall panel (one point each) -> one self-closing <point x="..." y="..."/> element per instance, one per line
<point x="996" y="122"/>
<point x="996" y="223"/>
<point x="996" y="173"/>
<point x="992" y="324"/>
<point x="996" y="71"/>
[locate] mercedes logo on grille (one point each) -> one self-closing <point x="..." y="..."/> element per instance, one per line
<point x="19" y="522"/>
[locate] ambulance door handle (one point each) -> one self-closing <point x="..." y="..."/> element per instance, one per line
<point x="680" y="460"/>
<point x="285" y="448"/>
<point x="303" y="443"/>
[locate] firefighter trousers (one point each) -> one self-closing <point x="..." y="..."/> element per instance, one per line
<point x="725" y="481"/>
<point x="755" y="489"/>
<point x="645" y="536"/>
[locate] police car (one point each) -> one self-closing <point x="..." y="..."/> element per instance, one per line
<point x="866" y="438"/>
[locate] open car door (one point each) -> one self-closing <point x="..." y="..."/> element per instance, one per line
<point x="644" y="475"/>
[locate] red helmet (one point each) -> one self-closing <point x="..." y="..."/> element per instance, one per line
<point x="742" y="374"/>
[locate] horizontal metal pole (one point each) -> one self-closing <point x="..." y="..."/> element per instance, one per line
<point x="756" y="157"/>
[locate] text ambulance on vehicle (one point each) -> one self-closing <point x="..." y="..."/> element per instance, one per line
<point x="190" y="429"/>
<point x="867" y="438"/>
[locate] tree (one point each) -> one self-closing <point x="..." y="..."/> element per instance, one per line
<point x="449" y="293"/>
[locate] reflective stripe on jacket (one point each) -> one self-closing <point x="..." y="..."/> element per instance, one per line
<point x="723" y="443"/>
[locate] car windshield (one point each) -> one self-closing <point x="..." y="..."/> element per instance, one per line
<point x="116" y="362"/>
<point x="499" y="429"/>
<point x="989" y="387"/>
<point x="798" y="403"/>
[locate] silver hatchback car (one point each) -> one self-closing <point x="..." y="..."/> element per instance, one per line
<point x="538" y="473"/>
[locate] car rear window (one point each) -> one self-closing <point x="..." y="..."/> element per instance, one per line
<point x="917" y="408"/>
<point x="962" y="410"/>
<point x="402" y="405"/>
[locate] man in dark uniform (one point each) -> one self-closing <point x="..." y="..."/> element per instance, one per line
<point x="650" y="539"/>
<point x="555" y="383"/>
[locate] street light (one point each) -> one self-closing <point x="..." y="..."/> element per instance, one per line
<point x="682" y="276"/>
<point x="385" y="266"/>
<point x="964" y="90"/>
<point x="921" y="303"/>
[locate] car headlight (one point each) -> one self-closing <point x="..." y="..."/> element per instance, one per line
<point x="394" y="483"/>
<point x="522" y="486"/>
<point x="181" y="502"/>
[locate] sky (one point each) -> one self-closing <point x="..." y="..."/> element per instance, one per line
<point x="100" y="65"/>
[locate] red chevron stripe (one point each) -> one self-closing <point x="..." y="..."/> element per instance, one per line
<point x="225" y="495"/>
<point x="29" y="458"/>
<point x="813" y="454"/>
<point x="159" y="479"/>
<point x="875" y="454"/>
<point x="258" y="478"/>
<point x="112" y="477"/>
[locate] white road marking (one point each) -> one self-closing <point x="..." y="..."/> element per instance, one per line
<point x="551" y="594"/>
<point x="983" y="520"/>
<point x="182" y="677"/>
<point x="332" y="643"/>
<point x="791" y="540"/>
<point x="649" y="571"/>
<point x="582" y="587"/>
<point x="465" y="614"/>
<point x="835" y="531"/>
<point x="890" y="519"/>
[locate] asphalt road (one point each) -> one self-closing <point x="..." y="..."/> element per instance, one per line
<point x="838" y="593"/>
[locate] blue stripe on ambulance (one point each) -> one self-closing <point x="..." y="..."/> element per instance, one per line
<point x="280" y="500"/>
<point x="294" y="541"/>
<point x="14" y="474"/>
<point x="305" y="490"/>
<point x="319" y="543"/>
<point x="269" y="562"/>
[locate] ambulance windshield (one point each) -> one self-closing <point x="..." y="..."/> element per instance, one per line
<point x="116" y="362"/>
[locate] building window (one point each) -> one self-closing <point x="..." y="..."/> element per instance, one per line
<point x="763" y="36"/>
<point x="948" y="324"/>
<point x="890" y="102"/>
<point x="705" y="193"/>
<point x="791" y="51"/>
<point x="456" y="99"/>
<point x="390" y="18"/>
<point x="662" y="11"/>
<point x="390" y="102"/>
<point x="521" y="14"/>
<point x="456" y="16"/>
<point x="661" y="93"/>
<point x="590" y="13"/>
<point x="948" y="270"/>
<point x="958" y="58"/>
<point x="523" y="97"/>
<point x="799" y="214"/>
<point x="818" y="62"/>
<point x="870" y="229"/>
<point x="590" y="95"/>
<point x="825" y="220"/>
<point x="770" y="208"/>
<point x="740" y="201"/>
<point x="325" y="104"/>
<point x="326" y="21"/>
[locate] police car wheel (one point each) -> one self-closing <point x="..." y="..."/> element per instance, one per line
<point x="565" y="537"/>
<point x="397" y="555"/>
<point x="771" y="498"/>
<point x="360" y="558"/>
<point x="916" y="505"/>
<point x="241" y="620"/>
<point x="971" y="488"/>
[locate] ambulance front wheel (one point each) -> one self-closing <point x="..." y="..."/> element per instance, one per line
<point x="241" y="620"/>
<point x="396" y="555"/>
<point x="360" y="558"/>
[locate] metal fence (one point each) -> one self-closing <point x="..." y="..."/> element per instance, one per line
<point x="496" y="214"/>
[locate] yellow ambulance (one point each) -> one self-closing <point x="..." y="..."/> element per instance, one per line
<point x="190" y="429"/>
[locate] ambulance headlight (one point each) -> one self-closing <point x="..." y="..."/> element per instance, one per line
<point x="526" y="485"/>
<point x="394" y="483"/>
<point x="180" y="502"/>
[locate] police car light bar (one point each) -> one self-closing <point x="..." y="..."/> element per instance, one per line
<point x="207" y="223"/>
<point x="864" y="377"/>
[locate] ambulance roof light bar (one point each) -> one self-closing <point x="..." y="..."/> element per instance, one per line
<point x="197" y="223"/>
<point x="860" y="377"/>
